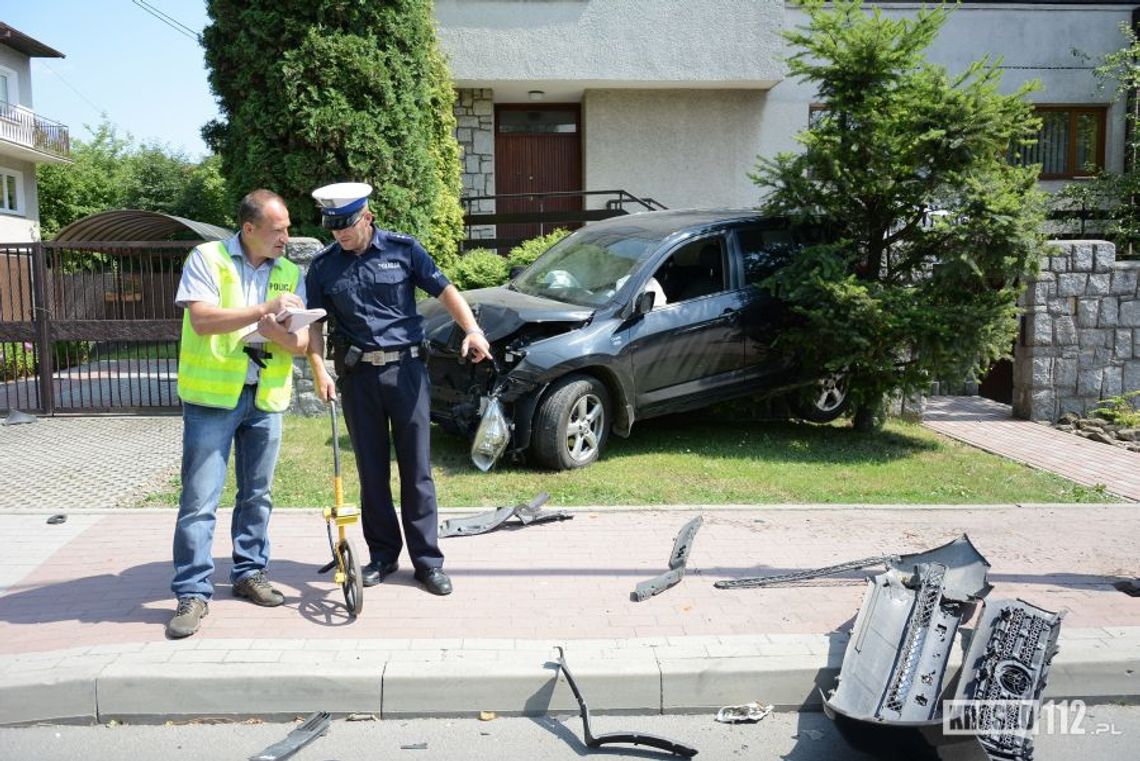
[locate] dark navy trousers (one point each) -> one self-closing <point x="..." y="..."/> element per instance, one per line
<point x="396" y="397"/>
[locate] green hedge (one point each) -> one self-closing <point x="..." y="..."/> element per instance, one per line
<point x="484" y="268"/>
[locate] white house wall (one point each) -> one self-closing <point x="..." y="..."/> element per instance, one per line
<point x="565" y="46"/>
<point x="1033" y="43"/>
<point x="685" y="148"/>
<point x="679" y="98"/>
<point x="17" y="228"/>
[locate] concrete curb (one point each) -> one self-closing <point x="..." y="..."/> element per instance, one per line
<point x="284" y="678"/>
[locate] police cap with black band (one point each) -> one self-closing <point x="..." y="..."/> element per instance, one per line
<point x="342" y="203"/>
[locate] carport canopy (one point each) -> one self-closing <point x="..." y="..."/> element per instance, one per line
<point x="136" y="225"/>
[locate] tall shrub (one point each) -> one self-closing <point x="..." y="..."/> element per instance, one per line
<point x="326" y="91"/>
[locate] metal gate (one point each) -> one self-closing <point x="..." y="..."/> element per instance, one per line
<point x="90" y="327"/>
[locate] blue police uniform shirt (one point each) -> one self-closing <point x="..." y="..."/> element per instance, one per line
<point x="371" y="297"/>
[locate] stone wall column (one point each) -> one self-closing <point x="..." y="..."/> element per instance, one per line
<point x="1079" y="331"/>
<point x="301" y="251"/>
<point x="475" y="133"/>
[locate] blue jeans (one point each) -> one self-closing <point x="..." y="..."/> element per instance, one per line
<point x="207" y="434"/>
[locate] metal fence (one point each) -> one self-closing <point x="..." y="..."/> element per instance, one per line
<point x="89" y="327"/>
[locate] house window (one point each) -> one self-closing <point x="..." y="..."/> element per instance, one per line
<point x="1070" y="142"/>
<point x="9" y="87"/>
<point x="538" y="121"/>
<point x="11" y="191"/>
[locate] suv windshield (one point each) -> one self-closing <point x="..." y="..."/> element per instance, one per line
<point x="585" y="268"/>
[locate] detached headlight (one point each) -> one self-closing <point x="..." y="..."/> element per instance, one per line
<point x="492" y="436"/>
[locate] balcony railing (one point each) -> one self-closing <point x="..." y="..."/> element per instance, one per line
<point x="23" y="127"/>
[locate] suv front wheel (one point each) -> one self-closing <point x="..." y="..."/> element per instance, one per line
<point x="572" y="423"/>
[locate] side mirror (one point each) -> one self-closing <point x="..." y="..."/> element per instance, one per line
<point x="516" y="271"/>
<point x="644" y="302"/>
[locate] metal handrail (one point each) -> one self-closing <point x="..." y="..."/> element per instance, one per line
<point x="623" y="197"/>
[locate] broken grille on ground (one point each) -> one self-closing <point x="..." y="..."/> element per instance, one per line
<point x="888" y="697"/>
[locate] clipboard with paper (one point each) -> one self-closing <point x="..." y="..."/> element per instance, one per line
<point x="292" y="319"/>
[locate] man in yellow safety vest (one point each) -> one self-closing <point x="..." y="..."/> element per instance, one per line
<point x="233" y="391"/>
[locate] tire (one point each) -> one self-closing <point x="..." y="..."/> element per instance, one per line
<point x="572" y="423"/>
<point x="822" y="401"/>
<point x="353" y="586"/>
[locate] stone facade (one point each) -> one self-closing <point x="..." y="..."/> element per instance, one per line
<point x="475" y="132"/>
<point x="1080" y="336"/>
<point x="301" y="251"/>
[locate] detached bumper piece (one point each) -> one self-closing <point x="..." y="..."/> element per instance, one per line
<point x="889" y="696"/>
<point x="312" y="728"/>
<point x="811" y="573"/>
<point x="612" y="738"/>
<point x="682" y="544"/>
<point x="527" y="513"/>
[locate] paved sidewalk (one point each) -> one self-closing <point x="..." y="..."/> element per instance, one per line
<point x="988" y="425"/>
<point x="85" y="602"/>
<point x="59" y="463"/>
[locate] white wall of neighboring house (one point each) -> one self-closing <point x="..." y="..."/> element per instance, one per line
<point x="566" y="46"/>
<point x="683" y="148"/>
<point x="20" y="224"/>
<point x="1033" y="42"/>
<point x="679" y="97"/>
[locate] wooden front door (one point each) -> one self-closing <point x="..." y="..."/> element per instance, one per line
<point x="538" y="149"/>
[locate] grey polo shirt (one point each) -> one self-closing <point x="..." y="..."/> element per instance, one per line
<point x="197" y="284"/>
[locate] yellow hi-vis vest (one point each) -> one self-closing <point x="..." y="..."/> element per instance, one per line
<point x="212" y="369"/>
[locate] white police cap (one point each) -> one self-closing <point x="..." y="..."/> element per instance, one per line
<point x="342" y="203"/>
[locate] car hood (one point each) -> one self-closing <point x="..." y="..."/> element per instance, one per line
<point x="501" y="312"/>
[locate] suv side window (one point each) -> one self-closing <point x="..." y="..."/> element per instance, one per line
<point x="695" y="269"/>
<point x="764" y="250"/>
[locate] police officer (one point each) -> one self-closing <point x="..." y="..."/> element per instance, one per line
<point x="366" y="281"/>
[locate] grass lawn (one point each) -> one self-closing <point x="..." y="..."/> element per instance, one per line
<point x="690" y="459"/>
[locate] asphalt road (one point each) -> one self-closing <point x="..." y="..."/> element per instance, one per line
<point x="1105" y="733"/>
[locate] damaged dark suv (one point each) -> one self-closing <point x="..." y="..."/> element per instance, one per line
<point x="626" y="319"/>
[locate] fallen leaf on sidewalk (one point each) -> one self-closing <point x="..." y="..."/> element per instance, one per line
<point x="486" y="715"/>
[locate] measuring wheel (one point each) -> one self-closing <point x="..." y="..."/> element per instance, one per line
<point x="353" y="584"/>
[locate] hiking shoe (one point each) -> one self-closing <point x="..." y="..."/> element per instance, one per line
<point x="188" y="617"/>
<point x="255" y="587"/>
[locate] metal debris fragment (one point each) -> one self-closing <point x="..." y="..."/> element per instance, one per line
<point x="527" y="513"/>
<point x="610" y="738"/>
<point x="312" y="728"/>
<point x="682" y="545"/>
<point x="812" y="573"/>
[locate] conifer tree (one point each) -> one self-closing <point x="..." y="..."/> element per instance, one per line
<point x="929" y="224"/>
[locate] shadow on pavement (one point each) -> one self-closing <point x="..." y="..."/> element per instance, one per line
<point x="126" y="597"/>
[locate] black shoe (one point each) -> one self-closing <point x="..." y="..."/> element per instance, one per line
<point x="434" y="580"/>
<point x="375" y="572"/>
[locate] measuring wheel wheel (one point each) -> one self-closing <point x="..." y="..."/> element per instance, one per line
<point x="353" y="584"/>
